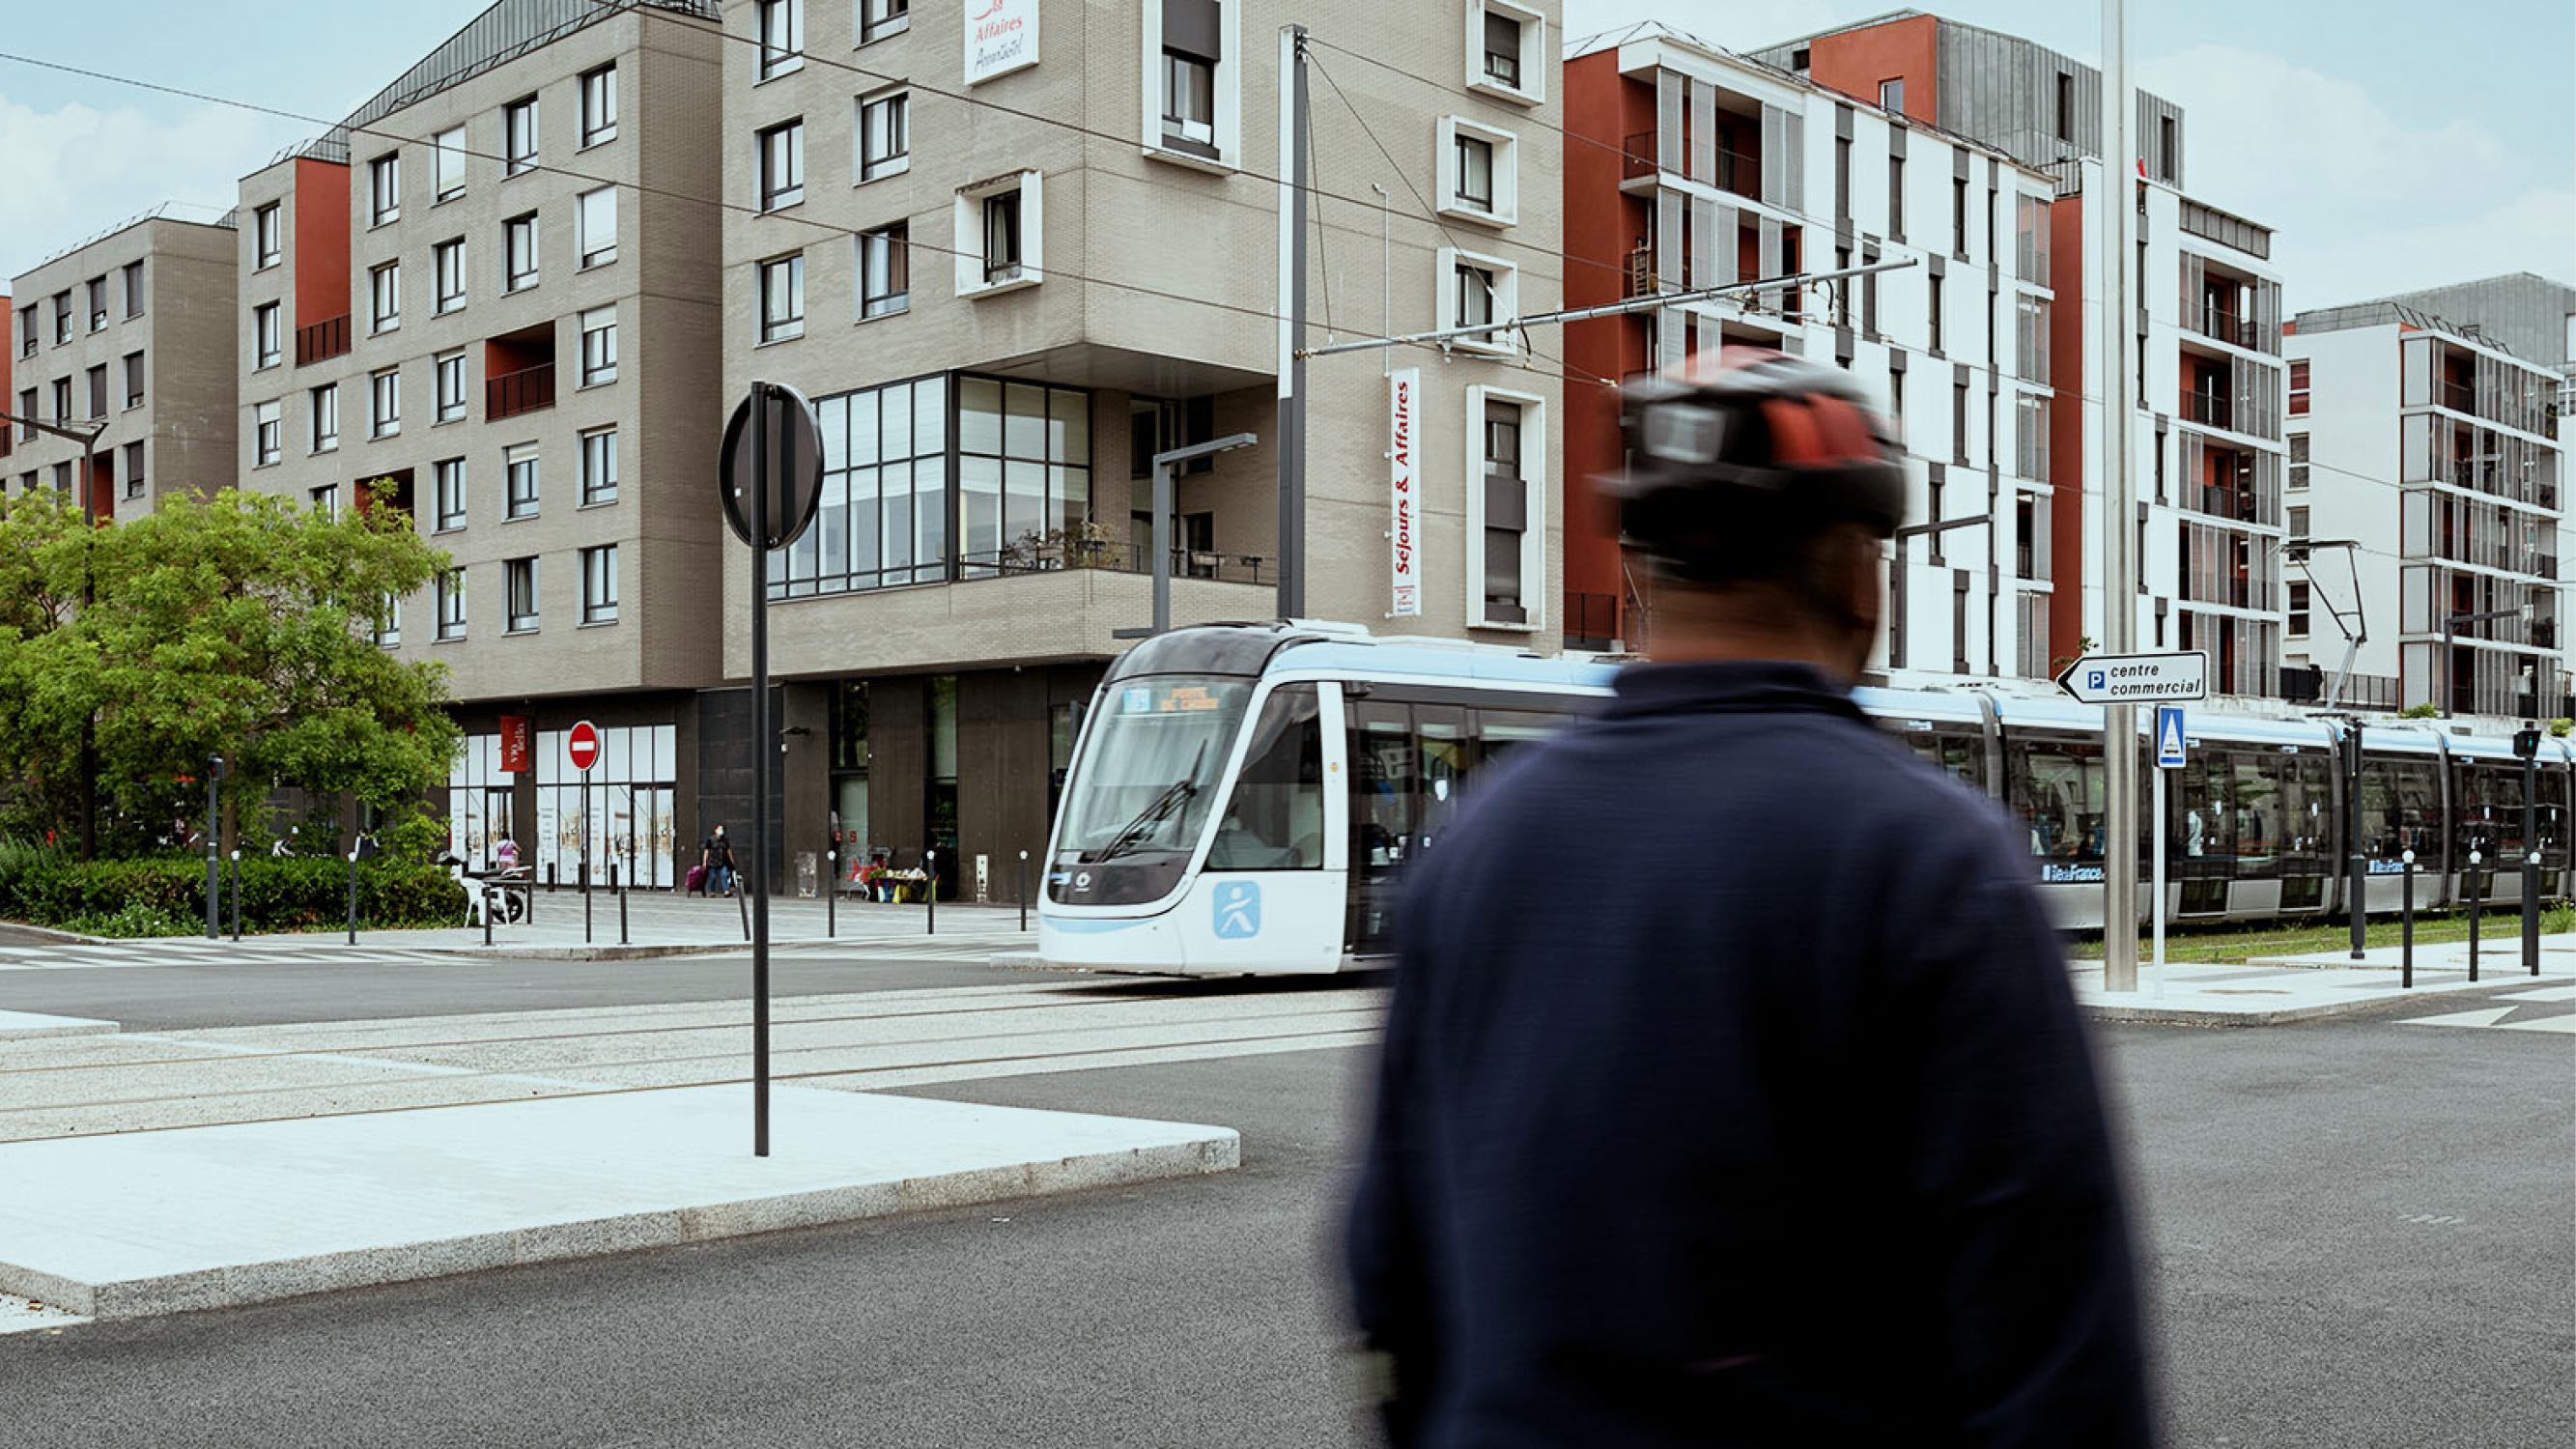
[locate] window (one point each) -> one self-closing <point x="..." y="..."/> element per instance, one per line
<point x="447" y="163"/>
<point x="326" y="417"/>
<point x="1959" y="217"/>
<point x="598" y="346"/>
<point x="885" y="270"/>
<point x="599" y="584"/>
<point x="384" y="297"/>
<point x="881" y="18"/>
<point x="1958" y="424"/>
<point x="1476" y="290"/>
<point x="1935" y="304"/>
<point x="519" y="468"/>
<point x="599" y="467"/>
<point x="450" y="386"/>
<point x="2298" y="523"/>
<point x="265" y="235"/>
<point x="448" y="482"/>
<point x="519" y="251"/>
<point x="1507" y="51"/>
<point x="885" y="134"/>
<point x="1891" y="95"/>
<point x="384" y="403"/>
<point x="384" y="189"/>
<point x="267" y="335"/>
<point x="326" y="500"/>
<point x="62" y="399"/>
<point x="133" y="289"/>
<point x="519" y="136"/>
<point x="521" y="576"/>
<point x="2168" y="147"/>
<point x="451" y="604"/>
<point x="2298" y="609"/>
<point x="1503" y="50"/>
<point x="264" y="432"/>
<point x="1479" y="172"/>
<point x="595" y="226"/>
<point x="97" y="379"/>
<point x="1896" y="198"/>
<point x="26" y="412"/>
<point x="97" y="290"/>
<point x="134" y="379"/>
<point x="1189" y="97"/>
<point x="2298" y="461"/>
<point x="782" y="298"/>
<point x="2065" y="106"/>
<point x="781" y="27"/>
<point x="447" y="267"/>
<point x="599" y="105"/>
<point x="883" y="517"/>
<point x="1007" y="215"/>
<point x="2298" y="388"/>
<point x="781" y="151"/>
<point x="28" y="334"/>
<point x="134" y="470"/>
<point x="1506" y="507"/>
<point x="1276" y="819"/>
<point x="62" y="318"/>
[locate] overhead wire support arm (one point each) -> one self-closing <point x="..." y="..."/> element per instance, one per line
<point x="1608" y="309"/>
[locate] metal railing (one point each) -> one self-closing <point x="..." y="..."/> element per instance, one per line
<point x="524" y="391"/>
<point x="322" y="340"/>
<point x="1641" y="155"/>
<point x="2229" y="328"/>
<point x="1037" y="556"/>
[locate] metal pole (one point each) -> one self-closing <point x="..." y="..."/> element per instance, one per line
<point x="492" y="899"/>
<point x="1163" y="489"/>
<point x="585" y="857"/>
<point x="930" y="888"/>
<point x="1292" y="332"/>
<point x="237" y="893"/>
<point x="2355" y="859"/>
<point x="214" y="891"/>
<point x="353" y="892"/>
<point x="616" y="883"/>
<point x="1024" y="890"/>
<point x="2406" y="911"/>
<point x="2531" y="854"/>
<point x="2156" y="893"/>
<point x="831" y="891"/>
<point x="2477" y="900"/>
<point x="756" y="886"/>
<point x="2119" y="494"/>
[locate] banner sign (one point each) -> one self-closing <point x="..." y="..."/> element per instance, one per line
<point x="518" y="743"/>
<point x="1404" y="396"/>
<point x="1001" y="37"/>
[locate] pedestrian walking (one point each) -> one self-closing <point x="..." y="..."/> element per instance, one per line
<point x="716" y="856"/>
<point x="1770" y="1121"/>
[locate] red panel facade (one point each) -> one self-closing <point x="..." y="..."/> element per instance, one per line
<point x="1602" y="226"/>
<point x="1855" y="61"/>
<point x="2067" y="364"/>
<point x="321" y="241"/>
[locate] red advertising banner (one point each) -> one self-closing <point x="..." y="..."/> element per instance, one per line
<point x="518" y="743"/>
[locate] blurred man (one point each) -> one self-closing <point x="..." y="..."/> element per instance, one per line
<point x="1769" y="1120"/>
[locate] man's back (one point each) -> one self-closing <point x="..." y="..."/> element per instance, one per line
<point x="1761" y="1116"/>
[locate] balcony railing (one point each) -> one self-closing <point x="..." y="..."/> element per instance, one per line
<point x="1591" y="621"/>
<point x="2217" y="410"/>
<point x="322" y="340"/>
<point x="524" y="391"/>
<point x="2459" y="397"/>
<point x="1048" y="555"/>
<point x="1641" y="155"/>
<point x="2229" y="328"/>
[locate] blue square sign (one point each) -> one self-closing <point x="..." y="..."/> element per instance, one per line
<point x="2169" y="737"/>
<point x="2093" y="679"/>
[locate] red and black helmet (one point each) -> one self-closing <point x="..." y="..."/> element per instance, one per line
<point x="1734" y="453"/>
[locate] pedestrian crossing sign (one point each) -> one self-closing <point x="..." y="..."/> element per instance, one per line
<point x="2168" y="737"/>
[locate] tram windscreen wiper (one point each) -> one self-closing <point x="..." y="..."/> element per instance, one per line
<point x="1154" y="811"/>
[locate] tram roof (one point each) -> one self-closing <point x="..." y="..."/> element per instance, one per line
<point x="1380" y="659"/>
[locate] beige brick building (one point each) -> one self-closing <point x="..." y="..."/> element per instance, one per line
<point x="131" y="331"/>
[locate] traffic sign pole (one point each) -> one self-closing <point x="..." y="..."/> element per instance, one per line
<point x="756" y="887"/>
<point x="2169" y="756"/>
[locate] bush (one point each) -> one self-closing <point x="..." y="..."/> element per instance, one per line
<point x="2559" y="919"/>
<point x="45" y="886"/>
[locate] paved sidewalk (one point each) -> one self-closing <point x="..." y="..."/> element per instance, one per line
<point x="2276" y="990"/>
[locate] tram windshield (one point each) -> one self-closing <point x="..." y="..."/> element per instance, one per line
<point x="1140" y="795"/>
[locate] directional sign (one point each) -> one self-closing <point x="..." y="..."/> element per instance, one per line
<point x="581" y="746"/>
<point x="2169" y="737"/>
<point x="2137" y="678"/>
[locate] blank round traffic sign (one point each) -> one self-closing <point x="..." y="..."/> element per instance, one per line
<point x="581" y="746"/>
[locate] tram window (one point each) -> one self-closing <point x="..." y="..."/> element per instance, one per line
<point x="2255" y="812"/>
<point x="2490" y="819"/>
<point x="2553" y="819"/>
<point x="1441" y="735"/>
<point x="2057" y="787"/>
<point x="1275" y="818"/>
<point x="2307" y="796"/>
<point x="2205" y="817"/>
<point x="1500" y="731"/>
<point x="1961" y="756"/>
<point x="1384" y="783"/>
<point x="2401" y="810"/>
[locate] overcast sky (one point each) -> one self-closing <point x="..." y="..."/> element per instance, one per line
<point x="2392" y="146"/>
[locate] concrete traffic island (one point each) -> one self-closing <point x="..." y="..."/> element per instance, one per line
<point x="141" y="1223"/>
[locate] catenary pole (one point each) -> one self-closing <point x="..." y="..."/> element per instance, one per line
<point x="1292" y="323"/>
<point x="2119" y="497"/>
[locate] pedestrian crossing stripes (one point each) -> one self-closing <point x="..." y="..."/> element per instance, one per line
<point x="197" y="951"/>
<point x="2548" y="1009"/>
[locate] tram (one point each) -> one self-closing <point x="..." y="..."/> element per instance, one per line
<point x="1243" y="797"/>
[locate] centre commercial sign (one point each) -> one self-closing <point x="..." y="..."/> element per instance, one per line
<point x="2137" y="678"/>
<point x="1404" y="527"/>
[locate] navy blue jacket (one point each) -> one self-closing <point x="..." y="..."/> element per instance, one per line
<point x="1734" y="1094"/>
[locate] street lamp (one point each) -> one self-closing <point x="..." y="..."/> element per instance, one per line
<point x="1166" y="468"/>
<point x="2450" y="646"/>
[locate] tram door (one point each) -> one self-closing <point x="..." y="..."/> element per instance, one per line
<point x="1385" y="781"/>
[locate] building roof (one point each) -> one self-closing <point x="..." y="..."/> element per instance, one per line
<point x="167" y="211"/>
<point x="2520" y="313"/>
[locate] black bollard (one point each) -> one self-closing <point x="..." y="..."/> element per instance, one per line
<point x="2477" y="899"/>
<point x="236" y="895"/>
<point x="742" y="899"/>
<point x="585" y="902"/>
<point x="550" y="877"/>
<point x="615" y="884"/>
<point x="492" y="900"/>
<point x="831" y="892"/>
<point x="2531" y="906"/>
<point x="930" y="887"/>
<point x="1024" y="890"/>
<point x="2406" y="907"/>
<point x="353" y="896"/>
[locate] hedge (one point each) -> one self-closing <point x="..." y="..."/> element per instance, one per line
<point x="169" y="893"/>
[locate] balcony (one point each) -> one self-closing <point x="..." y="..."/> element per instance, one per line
<point x="2228" y="327"/>
<point x="2217" y="410"/>
<point x="525" y="391"/>
<point x="322" y="341"/>
<point x="1034" y="555"/>
<point x="2459" y="397"/>
<point x="1642" y="281"/>
<point x="1737" y="172"/>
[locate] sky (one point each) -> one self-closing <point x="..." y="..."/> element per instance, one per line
<point x="2391" y="147"/>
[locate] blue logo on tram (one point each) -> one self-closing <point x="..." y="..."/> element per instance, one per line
<point x="1238" y="910"/>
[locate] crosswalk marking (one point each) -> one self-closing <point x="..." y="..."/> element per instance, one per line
<point x="2496" y="1017"/>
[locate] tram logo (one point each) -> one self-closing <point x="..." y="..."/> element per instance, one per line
<point x="2070" y="874"/>
<point x="1238" y="910"/>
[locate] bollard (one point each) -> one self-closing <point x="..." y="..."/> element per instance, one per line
<point x="353" y="897"/>
<point x="491" y="899"/>
<point x="236" y="895"/>
<point x="585" y="903"/>
<point x="1024" y="890"/>
<point x="742" y="899"/>
<point x="2531" y="905"/>
<point x="930" y="887"/>
<point x="2406" y="912"/>
<point x="550" y="877"/>
<point x="2477" y="899"/>
<point x="831" y="891"/>
<point x="615" y="885"/>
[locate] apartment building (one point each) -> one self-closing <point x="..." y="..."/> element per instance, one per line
<point x="2425" y="438"/>
<point x="1690" y="167"/>
<point x="1012" y="262"/>
<point x="490" y="300"/>
<point x="2209" y="451"/>
<point x="129" y="334"/>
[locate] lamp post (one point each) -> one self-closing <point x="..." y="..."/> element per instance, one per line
<point x="1166" y="468"/>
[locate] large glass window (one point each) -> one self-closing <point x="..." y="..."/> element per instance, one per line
<point x="883" y="519"/>
<point x="1148" y="772"/>
<point x="1023" y="472"/>
<point x="2401" y="810"/>
<point x="1275" y="818"/>
<point x="2057" y="786"/>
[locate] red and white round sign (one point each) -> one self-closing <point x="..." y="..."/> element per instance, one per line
<point x="581" y="746"/>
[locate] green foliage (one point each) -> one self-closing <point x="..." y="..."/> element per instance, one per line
<point x="238" y="625"/>
<point x="46" y="886"/>
<point x="2559" y="918"/>
<point x="2562" y="726"/>
<point x="136" y="918"/>
<point x="2427" y="710"/>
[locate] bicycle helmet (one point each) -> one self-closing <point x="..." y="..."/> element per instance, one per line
<point x="1736" y="457"/>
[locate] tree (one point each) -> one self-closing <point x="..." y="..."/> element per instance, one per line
<point x="239" y="625"/>
<point x="43" y="697"/>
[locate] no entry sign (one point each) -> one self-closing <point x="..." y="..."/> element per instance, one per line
<point x="581" y="746"/>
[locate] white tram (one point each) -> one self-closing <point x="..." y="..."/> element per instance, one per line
<point x="1244" y="796"/>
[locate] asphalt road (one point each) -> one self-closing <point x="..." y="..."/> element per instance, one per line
<point x="2355" y="1233"/>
